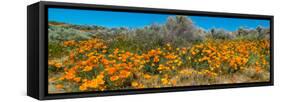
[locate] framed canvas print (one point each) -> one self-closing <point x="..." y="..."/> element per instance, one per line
<point x="83" y="50"/>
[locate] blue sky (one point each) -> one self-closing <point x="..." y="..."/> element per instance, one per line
<point x="135" y="20"/>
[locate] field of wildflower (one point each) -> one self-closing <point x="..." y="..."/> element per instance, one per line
<point x="100" y="62"/>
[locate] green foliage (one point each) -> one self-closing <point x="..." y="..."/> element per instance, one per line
<point x="61" y="33"/>
<point x="55" y="50"/>
<point x="178" y="31"/>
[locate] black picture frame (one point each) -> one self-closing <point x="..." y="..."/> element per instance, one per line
<point x="37" y="35"/>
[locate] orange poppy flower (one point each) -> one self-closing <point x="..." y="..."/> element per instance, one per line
<point x="114" y="78"/>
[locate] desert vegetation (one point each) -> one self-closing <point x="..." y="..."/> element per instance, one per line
<point x="177" y="53"/>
